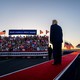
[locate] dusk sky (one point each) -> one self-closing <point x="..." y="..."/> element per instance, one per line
<point x="38" y="14"/>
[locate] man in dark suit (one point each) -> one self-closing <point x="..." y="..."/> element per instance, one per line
<point x="49" y="52"/>
<point x="56" y="39"/>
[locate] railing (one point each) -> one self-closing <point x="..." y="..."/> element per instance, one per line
<point x="23" y="53"/>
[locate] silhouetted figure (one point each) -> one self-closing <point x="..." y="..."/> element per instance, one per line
<point x="49" y="52"/>
<point x="56" y="39"/>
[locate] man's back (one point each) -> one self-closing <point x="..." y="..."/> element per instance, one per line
<point x="56" y="34"/>
<point x="56" y="39"/>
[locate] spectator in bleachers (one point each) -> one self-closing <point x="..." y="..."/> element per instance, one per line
<point x="22" y="43"/>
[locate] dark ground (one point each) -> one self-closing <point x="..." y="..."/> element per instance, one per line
<point x="14" y="64"/>
<point x="73" y="72"/>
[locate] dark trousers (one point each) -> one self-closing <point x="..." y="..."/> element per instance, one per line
<point x="49" y="55"/>
<point x="57" y="53"/>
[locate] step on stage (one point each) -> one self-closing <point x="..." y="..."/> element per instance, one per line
<point x="47" y="71"/>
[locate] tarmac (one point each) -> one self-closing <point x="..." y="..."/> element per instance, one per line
<point x="14" y="64"/>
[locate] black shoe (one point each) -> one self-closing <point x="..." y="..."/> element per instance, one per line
<point x="54" y="63"/>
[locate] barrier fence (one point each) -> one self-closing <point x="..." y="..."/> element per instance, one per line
<point x="23" y="54"/>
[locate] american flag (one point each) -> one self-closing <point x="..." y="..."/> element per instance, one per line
<point x="68" y="45"/>
<point x="41" y="32"/>
<point x="2" y="32"/>
<point x="47" y="31"/>
<point x="78" y="46"/>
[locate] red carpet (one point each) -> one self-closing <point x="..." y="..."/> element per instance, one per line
<point x="45" y="71"/>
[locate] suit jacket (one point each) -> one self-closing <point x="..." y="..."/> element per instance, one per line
<point x="49" y="50"/>
<point x="56" y="35"/>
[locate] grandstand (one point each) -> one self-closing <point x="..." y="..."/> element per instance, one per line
<point x="23" y="45"/>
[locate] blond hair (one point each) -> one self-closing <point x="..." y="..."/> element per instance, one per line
<point x="54" y="22"/>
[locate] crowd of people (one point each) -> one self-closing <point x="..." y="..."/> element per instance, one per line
<point x="24" y="43"/>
